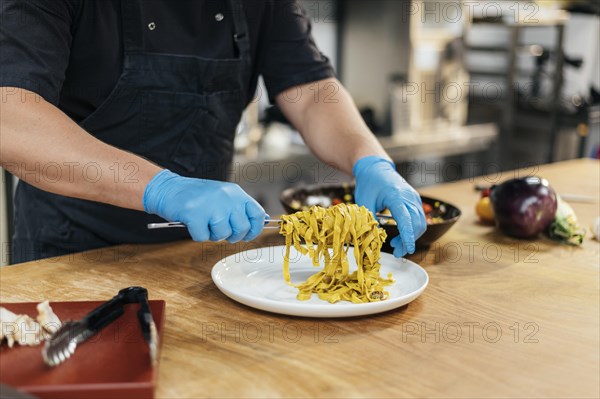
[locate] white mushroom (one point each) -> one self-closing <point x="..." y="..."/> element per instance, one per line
<point x="28" y="331"/>
<point x="47" y="318"/>
<point x="8" y="326"/>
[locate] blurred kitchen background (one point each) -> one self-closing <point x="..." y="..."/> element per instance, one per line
<point x="453" y="89"/>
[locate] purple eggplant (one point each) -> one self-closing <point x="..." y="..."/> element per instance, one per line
<point x="524" y="207"/>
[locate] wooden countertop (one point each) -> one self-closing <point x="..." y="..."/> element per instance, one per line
<point x="500" y="318"/>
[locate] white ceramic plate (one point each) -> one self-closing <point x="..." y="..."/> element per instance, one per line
<point x="255" y="278"/>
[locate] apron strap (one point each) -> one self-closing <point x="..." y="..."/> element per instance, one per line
<point x="133" y="37"/>
<point x="240" y="26"/>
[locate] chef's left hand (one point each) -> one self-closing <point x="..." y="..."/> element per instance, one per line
<point x="379" y="186"/>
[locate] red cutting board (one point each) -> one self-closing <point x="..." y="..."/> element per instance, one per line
<point x="113" y="363"/>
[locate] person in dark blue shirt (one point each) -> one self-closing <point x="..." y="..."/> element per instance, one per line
<point x="121" y="113"/>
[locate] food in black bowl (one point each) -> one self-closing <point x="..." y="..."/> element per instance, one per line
<point x="440" y="215"/>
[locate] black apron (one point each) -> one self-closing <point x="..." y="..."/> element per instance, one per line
<point x="178" y="111"/>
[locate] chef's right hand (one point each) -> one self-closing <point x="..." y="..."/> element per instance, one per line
<point x="211" y="210"/>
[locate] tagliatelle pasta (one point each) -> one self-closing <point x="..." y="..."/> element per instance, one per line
<point x="328" y="234"/>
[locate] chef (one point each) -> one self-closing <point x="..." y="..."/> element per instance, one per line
<point x="120" y="113"/>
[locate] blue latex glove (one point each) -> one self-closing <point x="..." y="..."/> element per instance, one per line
<point x="379" y="186"/>
<point x="211" y="210"/>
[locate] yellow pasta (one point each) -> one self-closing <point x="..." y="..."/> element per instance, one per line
<point x="328" y="234"/>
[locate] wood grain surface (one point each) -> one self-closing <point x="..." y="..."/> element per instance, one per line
<point x="500" y="318"/>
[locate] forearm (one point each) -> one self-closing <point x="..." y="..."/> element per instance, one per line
<point x="328" y="120"/>
<point x="44" y="147"/>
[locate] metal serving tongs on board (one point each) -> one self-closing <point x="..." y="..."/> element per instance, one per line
<point x="62" y="343"/>
<point x="169" y="225"/>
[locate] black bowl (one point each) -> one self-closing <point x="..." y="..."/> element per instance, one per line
<point x="296" y="199"/>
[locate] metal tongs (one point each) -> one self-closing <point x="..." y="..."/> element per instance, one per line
<point x="168" y="225"/>
<point x="62" y="343"/>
